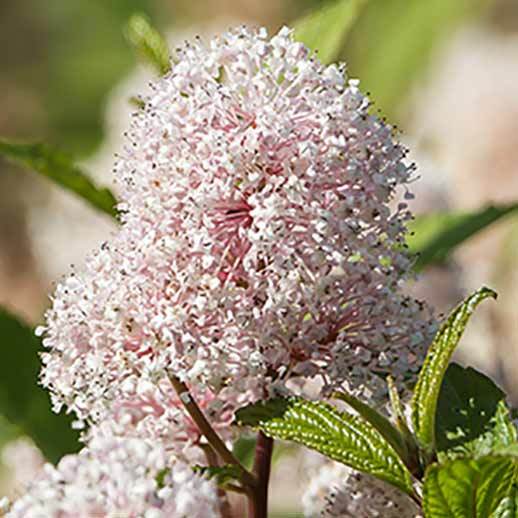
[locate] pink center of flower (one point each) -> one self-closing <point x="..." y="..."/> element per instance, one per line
<point x="229" y="216"/>
<point x="230" y="219"/>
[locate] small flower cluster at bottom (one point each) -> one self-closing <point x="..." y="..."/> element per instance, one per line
<point x="118" y="477"/>
<point x="336" y="491"/>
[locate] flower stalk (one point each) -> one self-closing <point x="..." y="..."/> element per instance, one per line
<point x="258" y="503"/>
<point x="255" y="485"/>
<point x="210" y="434"/>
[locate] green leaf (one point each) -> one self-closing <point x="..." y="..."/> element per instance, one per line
<point x="338" y="435"/>
<point x="435" y="236"/>
<point x="389" y="432"/>
<point x="243" y="450"/>
<point x="222" y="475"/>
<point x="510" y="450"/>
<point x="472" y="417"/>
<point x="426" y="392"/>
<point x="508" y="506"/>
<point x="395" y="401"/>
<point x="466" y="488"/>
<point x="84" y="57"/>
<point x="392" y="41"/>
<point x="8" y="431"/>
<point x="60" y="169"/>
<point x="326" y="28"/>
<point x="413" y="462"/>
<point x="22" y="401"/>
<point x="149" y="43"/>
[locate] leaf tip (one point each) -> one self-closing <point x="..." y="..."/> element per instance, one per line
<point x="489" y="292"/>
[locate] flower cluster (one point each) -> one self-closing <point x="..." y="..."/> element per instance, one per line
<point x="116" y="477"/>
<point x="339" y="492"/>
<point x="258" y="244"/>
<point x="260" y="248"/>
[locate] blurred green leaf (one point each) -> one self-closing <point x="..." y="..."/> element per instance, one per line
<point x="341" y="436"/>
<point x="87" y="56"/>
<point x="22" y="401"/>
<point x="60" y="169"/>
<point x="511" y="450"/>
<point x="326" y="28"/>
<point x="435" y="236"/>
<point x="391" y="43"/>
<point x="472" y="417"/>
<point x="149" y="43"/>
<point x="8" y="431"/>
<point x="468" y="488"/>
<point x="243" y="450"/>
<point x="426" y="392"/>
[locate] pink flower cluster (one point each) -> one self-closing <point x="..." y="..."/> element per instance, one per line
<point x="118" y="477"/>
<point x="257" y="245"/>
<point x="337" y="491"/>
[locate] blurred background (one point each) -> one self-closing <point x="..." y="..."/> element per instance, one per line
<point x="446" y="72"/>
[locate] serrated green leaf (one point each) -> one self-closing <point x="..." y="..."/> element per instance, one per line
<point x="222" y="475"/>
<point x="59" y="168"/>
<point x="508" y="506"/>
<point x="326" y="28"/>
<point x="22" y="401"/>
<point x="472" y="417"/>
<point x="338" y="435"/>
<point x="426" y="392"/>
<point x="467" y="488"/>
<point x="392" y="41"/>
<point x="149" y="43"/>
<point x="383" y="425"/>
<point x="435" y="236"/>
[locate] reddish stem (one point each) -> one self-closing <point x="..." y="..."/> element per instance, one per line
<point x="258" y="500"/>
<point x="206" y="429"/>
